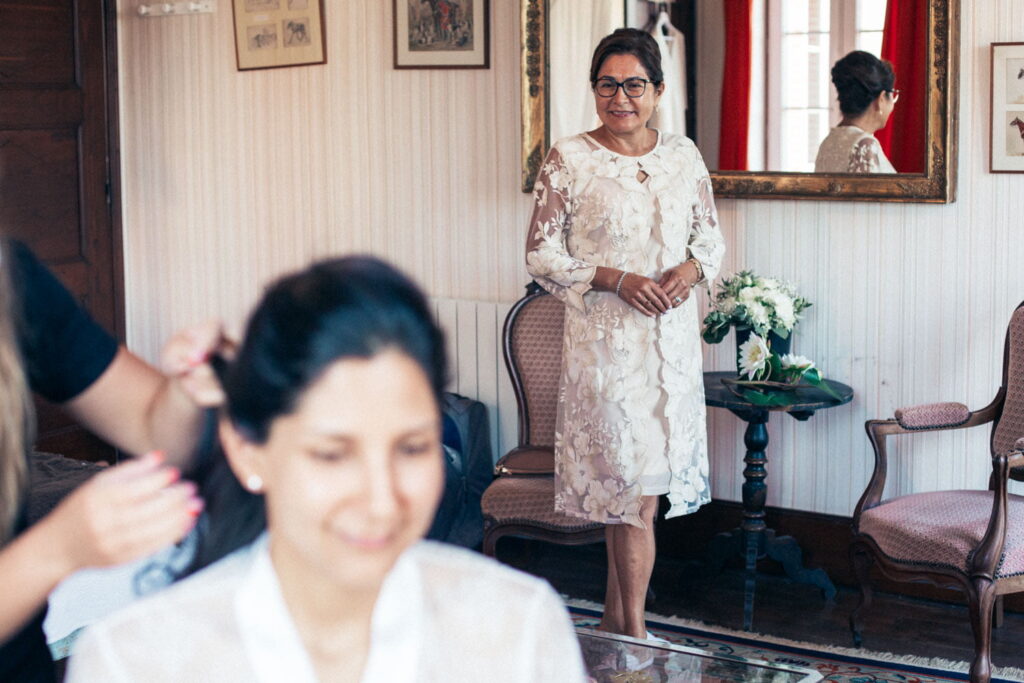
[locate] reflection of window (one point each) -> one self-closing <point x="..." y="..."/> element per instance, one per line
<point x="812" y="35"/>
<point x="870" y="23"/>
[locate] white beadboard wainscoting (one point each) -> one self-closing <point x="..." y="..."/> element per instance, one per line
<point x="231" y="178"/>
<point x="476" y="365"/>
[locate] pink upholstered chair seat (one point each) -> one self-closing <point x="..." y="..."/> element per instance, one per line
<point x="941" y="529"/>
<point x="528" y="500"/>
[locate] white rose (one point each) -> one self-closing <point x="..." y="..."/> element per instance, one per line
<point x="758" y="313"/>
<point x="784" y="311"/>
<point x="748" y="295"/>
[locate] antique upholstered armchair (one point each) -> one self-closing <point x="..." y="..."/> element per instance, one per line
<point x="521" y="499"/>
<point x="973" y="540"/>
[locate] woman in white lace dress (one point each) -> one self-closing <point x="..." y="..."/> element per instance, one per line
<point x="624" y="225"/>
<point x="866" y="99"/>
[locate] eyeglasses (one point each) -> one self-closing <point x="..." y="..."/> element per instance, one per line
<point x="895" y="95"/>
<point x="633" y="87"/>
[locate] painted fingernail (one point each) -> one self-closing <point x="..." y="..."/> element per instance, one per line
<point x="195" y="506"/>
<point x="198" y="357"/>
<point x="156" y="457"/>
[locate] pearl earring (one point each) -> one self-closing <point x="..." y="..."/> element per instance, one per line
<point x="254" y="483"/>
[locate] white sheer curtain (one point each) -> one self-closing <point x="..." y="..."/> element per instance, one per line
<point x="575" y="27"/>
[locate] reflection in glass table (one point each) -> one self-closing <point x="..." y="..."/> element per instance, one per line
<point x="611" y="658"/>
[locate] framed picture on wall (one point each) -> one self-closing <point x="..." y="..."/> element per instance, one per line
<point x="274" y="33"/>
<point x="442" y="34"/>
<point x="1006" y="135"/>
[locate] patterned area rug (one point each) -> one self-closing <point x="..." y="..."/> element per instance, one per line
<point x="835" y="664"/>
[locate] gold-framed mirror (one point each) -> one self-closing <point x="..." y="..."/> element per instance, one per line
<point x="936" y="184"/>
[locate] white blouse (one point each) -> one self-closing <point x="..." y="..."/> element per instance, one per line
<point x="848" y="149"/>
<point x="443" y="614"/>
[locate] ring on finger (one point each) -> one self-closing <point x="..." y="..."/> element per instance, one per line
<point x="677" y="300"/>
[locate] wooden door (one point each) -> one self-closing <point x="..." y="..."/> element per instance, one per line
<point x="58" y="163"/>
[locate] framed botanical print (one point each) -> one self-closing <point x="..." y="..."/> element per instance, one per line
<point x="273" y="33"/>
<point x="1006" y="135"/>
<point x="442" y="34"/>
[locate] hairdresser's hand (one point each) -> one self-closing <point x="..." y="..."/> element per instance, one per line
<point x="123" y="514"/>
<point x="644" y="294"/>
<point x="185" y="359"/>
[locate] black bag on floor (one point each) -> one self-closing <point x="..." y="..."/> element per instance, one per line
<point x="469" y="468"/>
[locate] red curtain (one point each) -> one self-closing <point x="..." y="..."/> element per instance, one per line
<point x="905" y="45"/>
<point x="732" y="151"/>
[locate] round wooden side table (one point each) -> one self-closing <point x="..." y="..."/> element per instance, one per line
<point x="753" y="539"/>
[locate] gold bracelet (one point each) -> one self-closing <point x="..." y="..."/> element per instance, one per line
<point x="698" y="267"/>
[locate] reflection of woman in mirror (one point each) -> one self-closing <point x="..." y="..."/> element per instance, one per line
<point x="624" y="226"/>
<point x="332" y="432"/>
<point x="866" y="99"/>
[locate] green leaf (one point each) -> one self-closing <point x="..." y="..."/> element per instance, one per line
<point x="767" y="400"/>
<point x="713" y="335"/>
<point x="818" y="381"/>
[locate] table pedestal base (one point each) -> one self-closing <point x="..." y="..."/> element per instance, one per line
<point x="756" y="545"/>
<point x="753" y="539"/>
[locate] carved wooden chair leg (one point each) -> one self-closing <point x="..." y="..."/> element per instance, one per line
<point x="997" y="613"/>
<point x="981" y="599"/>
<point x="490" y="541"/>
<point x="861" y="561"/>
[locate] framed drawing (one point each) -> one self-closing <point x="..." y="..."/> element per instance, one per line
<point x="273" y="33"/>
<point x="1006" y="135"/>
<point x="442" y="34"/>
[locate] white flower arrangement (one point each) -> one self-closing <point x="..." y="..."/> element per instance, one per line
<point x="761" y="304"/>
<point x="767" y="373"/>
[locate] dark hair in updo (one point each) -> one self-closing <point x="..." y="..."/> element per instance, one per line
<point x="629" y="41"/>
<point x="352" y="307"/>
<point x="860" y="77"/>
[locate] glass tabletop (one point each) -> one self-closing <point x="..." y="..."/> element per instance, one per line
<point x="611" y="658"/>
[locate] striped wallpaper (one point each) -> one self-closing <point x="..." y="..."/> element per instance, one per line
<point x="231" y="178"/>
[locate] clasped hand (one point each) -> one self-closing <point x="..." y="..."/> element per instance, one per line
<point x="655" y="298"/>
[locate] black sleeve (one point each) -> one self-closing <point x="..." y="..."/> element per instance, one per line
<point x="64" y="349"/>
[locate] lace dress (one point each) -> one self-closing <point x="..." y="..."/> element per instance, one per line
<point x="848" y="149"/>
<point x="631" y="419"/>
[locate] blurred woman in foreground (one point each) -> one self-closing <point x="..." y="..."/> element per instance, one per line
<point x="332" y="428"/>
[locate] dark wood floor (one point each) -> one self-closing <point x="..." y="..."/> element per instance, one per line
<point x="784" y="609"/>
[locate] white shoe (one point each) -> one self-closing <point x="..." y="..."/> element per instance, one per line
<point x="635" y="663"/>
